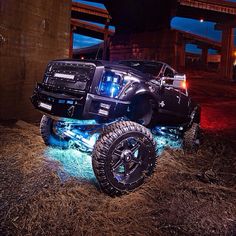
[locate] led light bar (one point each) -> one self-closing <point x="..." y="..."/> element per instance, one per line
<point x="64" y="76"/>
<point x="45" y="106"/>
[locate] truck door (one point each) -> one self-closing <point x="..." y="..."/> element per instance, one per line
<point x="170" y="98"/>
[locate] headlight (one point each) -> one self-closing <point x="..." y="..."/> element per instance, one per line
<point x="111" y="84"/>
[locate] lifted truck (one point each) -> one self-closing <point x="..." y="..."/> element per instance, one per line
<point x="113" y="111"/>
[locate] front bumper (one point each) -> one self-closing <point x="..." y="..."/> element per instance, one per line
<point x="55" y="104"/>
<point x="82" y="106"/>
<point x="105" y="107"/>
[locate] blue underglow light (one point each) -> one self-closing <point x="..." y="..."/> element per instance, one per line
<point x="73" y="164"/>
<point x="163" y="141"/>
<point x="167" y="137"/>
<point x="78" y="164"/>
<point x="79" y="122"/>
<point x="55" y="142"/>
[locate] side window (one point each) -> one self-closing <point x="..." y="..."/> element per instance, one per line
<point x="169" y="73"/>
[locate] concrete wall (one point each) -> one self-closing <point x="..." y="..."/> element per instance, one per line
<point x="164" y="45"/>
<point x="31" y="34"/>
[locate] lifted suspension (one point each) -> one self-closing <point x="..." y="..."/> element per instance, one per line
<point x="83" y="134"/>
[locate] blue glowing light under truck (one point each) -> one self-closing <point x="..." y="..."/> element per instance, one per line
<point x="77" y="163"/>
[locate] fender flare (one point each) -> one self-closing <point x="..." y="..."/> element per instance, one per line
<point x="148" y="93"/>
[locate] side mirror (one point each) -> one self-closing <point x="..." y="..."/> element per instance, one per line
<point x="178" y="81"/>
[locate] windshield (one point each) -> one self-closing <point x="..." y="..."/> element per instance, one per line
<point x="152" y="68"/>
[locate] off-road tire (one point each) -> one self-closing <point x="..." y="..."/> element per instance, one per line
<point x="103" y="154"/>
<point x="49" y="137"/>
<point x="191" y="138"/>
<point x="111" y="127"/>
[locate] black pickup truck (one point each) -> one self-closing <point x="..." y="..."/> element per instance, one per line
<point x="113" y="110"/>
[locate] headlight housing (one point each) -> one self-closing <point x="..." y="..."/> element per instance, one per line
<point x="111" y="84"/>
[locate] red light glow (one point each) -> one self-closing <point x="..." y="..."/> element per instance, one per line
<point x="184" y="84"/>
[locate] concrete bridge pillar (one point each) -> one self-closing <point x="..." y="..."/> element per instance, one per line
<point x="106" y="41"/>
<point x="161" y="45"/>
<point x="31" y="34"/>
<point x="179" y="53"/>
<point x="72" y="29"/>
<point x="204" y="56"/>
<point x="226" y="65"/>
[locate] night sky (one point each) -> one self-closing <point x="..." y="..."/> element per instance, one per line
<point x="193" y="26"/>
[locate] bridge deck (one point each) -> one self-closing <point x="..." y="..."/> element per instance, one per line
<point x="200" y="40"/>
<point x="89" y="13"/>
<point x="212" y="5"/>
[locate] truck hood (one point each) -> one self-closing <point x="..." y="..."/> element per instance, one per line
<point x="109" y="65"/>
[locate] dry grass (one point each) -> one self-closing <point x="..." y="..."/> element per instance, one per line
<point x="180" y="199"/>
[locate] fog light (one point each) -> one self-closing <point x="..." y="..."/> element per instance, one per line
<point x="105" y="106"/>
<point x="103" y="112"/>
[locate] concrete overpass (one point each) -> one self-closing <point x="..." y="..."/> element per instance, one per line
<point x="146" y="24"/>
<point x="203" y="43"/>
<point x="89" y="29"/>
<point x="80" y="14"/>
<point x="184" y="38"/>
<point x="143" y="29"/>
<point x="89" y="13"/>
<point x="155" y="14"/>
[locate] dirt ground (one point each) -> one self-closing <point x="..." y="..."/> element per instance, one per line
<point x="44" y="191"/>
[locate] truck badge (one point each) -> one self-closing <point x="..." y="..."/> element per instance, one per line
<point x="162" y="104"/>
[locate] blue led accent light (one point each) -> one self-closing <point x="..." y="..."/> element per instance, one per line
<point x="61" y="101"/>
<point x="116" y="79"/>
<point x="69" y="102"/>
<point x="109" y="78"/>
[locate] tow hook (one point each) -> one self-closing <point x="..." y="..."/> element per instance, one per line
<point x="71" y="111"/>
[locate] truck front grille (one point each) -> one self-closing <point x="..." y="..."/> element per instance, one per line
<point x="72" y="76"/>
